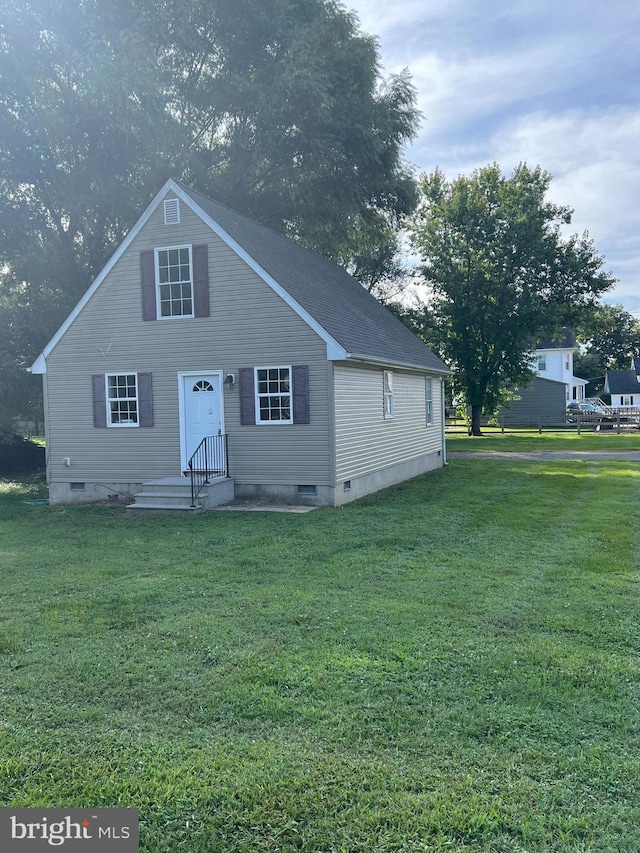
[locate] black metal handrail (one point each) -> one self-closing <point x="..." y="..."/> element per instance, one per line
<point x="209" y="459"/>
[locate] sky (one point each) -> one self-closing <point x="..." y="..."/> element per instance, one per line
<point x="554" y="83"/>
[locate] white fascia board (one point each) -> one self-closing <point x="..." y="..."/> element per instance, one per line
<point x="40" y="364"/>
<point x="335" y="351"/>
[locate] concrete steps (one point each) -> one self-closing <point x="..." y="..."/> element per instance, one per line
<point x="172" y="495"/>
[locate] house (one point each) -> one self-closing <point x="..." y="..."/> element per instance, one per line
<point x="553" y="387"/>
<point x="624" y="387"/>
<point x="205" y="324"/>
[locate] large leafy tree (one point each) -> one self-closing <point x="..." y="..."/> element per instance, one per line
<point x="615" y="337"/>
<point x="275" y="107"/>
<point x="501" y="275"/>
<point x="609" y="341"/>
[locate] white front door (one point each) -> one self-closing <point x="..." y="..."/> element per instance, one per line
<point x="201" y="410"/>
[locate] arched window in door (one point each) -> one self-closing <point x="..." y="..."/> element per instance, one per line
<point x="203" y="385"/>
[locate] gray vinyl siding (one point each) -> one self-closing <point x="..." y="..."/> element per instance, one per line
<point x="249" y="326"/>
<point x="544" y="401"/>
<point x="365" y="441"/>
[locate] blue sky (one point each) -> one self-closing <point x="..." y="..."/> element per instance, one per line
<point x="551" y="83"/>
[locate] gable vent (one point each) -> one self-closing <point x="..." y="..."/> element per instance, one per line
<point x="171" y="211"/>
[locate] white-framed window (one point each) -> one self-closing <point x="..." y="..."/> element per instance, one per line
<point x="567" y="362"/>
<point x="273" y="395"/>
<point x="174" y="281"/>
<point x="428" y="396"/>
<point x="542" y="362"/>
<point x="627" y="400"/>
<point x="387" y="390"/>
<point x="122" y="399"/>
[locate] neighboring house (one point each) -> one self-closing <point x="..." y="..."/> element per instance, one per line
<point x="554" y="386"/>
<point x="553" y="360"/>
<point x="204" y="323"/>
<point x="624" y="386"/>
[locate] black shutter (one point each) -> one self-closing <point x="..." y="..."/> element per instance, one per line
<point x="247" y="396"/>
<point x="300" y="394"/>
<point x="148" y="284"/>
<point x="99" y="400"/>
<point x="145" y="400"/>
<point x="200" y="281"/>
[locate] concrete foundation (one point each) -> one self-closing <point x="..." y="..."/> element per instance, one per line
<point x="302" y="495"/>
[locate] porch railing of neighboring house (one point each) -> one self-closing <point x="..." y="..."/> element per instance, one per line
<point x="209" y="459"/>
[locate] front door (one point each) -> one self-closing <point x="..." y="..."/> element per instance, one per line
<point x="202" y="410"/>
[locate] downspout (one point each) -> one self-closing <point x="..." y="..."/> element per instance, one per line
<point x="41" y="365"/>
<point x="442" y="419"/>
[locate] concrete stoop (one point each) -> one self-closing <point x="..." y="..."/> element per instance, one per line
<point x="172" y="495"/>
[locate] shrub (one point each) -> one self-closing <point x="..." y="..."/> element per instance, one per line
<point x="18" y="455"/>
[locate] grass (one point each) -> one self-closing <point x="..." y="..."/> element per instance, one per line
<point x="449" y="665"/>
<point x="530" y="440"/>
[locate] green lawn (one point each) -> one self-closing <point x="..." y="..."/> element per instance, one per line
<point x="530" y="440"/>
<point x="451" y="665"/>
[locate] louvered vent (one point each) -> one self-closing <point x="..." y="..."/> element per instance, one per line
<point x="171" y="211"/>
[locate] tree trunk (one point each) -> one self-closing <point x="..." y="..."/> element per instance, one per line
<point x="476" y="413"/>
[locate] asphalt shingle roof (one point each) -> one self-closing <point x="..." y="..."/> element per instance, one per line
<point x="335" y="300"/>
<point x="622" y="382"/>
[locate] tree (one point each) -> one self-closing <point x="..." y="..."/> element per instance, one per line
<point x="500" y="274"/>
<point x="610" y="341"/>
<point x="274" y="107"/>
<point x="616" y="337"/>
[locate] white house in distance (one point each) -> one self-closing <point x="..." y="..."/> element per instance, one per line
<point x="207" y="333"/>
<point x="553" y="388"/>
<point x="624" y="387"/>
<point x="553" y="360"/>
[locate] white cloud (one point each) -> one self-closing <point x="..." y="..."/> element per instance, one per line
<point x="384" y="18"/>
<point x="594" y="160"/>
<point x="546" y="82"/>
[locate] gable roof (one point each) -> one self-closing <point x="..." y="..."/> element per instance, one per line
<point x="622" y="382"/>
<point x="351" y="321"/>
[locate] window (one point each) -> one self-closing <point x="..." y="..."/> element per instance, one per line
<point x="542" y="362"/>
<point x="175" y="290"/>
<point x="174" y="282"/>
<point x="387" y="383"/>
<point x="567" y="363"/>
<point x="273" y="395"/>
<point x="627" y="401"/>
<point x="122" y="399"/>
<point x="428" y="384"/>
